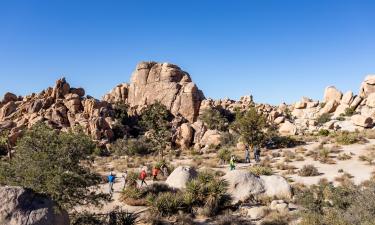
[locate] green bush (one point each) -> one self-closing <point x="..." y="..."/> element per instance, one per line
<point x="323" y="132"/>
<point x="324" y="118"/>
<point x="224" y="154"/>
<point x="342" y="205"/>
<point x="349" y="111"/>
<point x="131" y="147"/>
<point x="214" y="120"/>
<point x="346" y="138"/>
<point x="261" y="170"/>
<point x="49" y="162"/>
<point x="208" y="192"/>
<point x="168" y="203"/>
<point x="308" y="171"/>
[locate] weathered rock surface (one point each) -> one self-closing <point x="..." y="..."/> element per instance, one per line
<point x="288" y="128"/>
<point x="332" y="94"/>
<point x="243" y="184"/>
<point x="162" y="82"/>
<point x="367" y="86"/>
<point x="276" y="187"/>
<point x="181" y="176"/>
<point x="23" y="207"/>
<point x="362" y="121"/>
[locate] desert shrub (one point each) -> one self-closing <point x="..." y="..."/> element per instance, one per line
<point x="208" y="192"/>
<point x="261" y="170"/>
<point x="275" y="142"/>
<point x="323" y="132"/>
<point x="275" y="219"/>
<point x="156" y="121"/>
<point x="369" y="158"/>
<point x="228" y="139"/>
<point x="343" y="157"/>
<point x="252" y="126"/>
<point x="347" y="138"/>
<point x="112" y="218"/>
<point x="349" y="111"/>
<point x="4" y="143"/>
<point x="340" y="118"/>
<point x="131" y="147"/>
<point x="324" y="155"/>
<point x="168" y="203"/>
<point x="308" y="171"/>
<point x="342" y="205"/>
<point x="49" y="163"/>
<point x="224" y="155"/>
<point x="214" y="120"/>
<point x="324" y="118"/>
<point x="370" y="134"/>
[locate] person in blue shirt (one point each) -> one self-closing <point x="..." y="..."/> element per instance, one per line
<point x="111" y="181"/>
<point x="247" y="154"/>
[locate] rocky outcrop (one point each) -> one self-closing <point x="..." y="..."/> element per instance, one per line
<point x="23" y="207"/>
<point x="61" y="107"/>
<point x="160" y="82"/>
<point x="367" y="86"/>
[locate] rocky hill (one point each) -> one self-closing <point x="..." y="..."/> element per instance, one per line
<point x="63" y="106"/>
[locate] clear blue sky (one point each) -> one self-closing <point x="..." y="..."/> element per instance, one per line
<point x="277" y="50"/>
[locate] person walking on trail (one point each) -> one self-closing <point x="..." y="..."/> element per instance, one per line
<point x="232" y="164"/>
<point x="155" y="172"/>
<point x="111" y="181"/>
<point x="247" y="154"/>
<point x="165" y="171"/>
<point x="142" y="177"/>
<point x="257" y="154"/>
<point x="124" y="177"/>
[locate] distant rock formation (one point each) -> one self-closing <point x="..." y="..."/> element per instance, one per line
<point x="162" y="82"/>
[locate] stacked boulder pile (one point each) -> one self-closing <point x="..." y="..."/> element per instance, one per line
<point x="61" y="107"/>
<point x="306" y="112"/>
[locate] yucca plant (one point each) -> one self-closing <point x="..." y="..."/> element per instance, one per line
<point x="168" y="203"/>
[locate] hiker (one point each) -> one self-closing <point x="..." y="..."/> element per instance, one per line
<point x="142" y="177"/>
<point x="232" y="164"/>
<point x="155" y="172"/>
<point x="111" y="180"/>
<point x="247" y="154"/>
<point x="257" y="154"/>
<point x="124" y="176"/>
<point x="165" y="171"/>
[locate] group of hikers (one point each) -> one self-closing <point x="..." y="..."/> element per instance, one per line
<point x="232" y="161"/>
<point x="156" y="170"/>
<point x="142" y="177"/>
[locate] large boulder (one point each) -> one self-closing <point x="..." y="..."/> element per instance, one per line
<point x="347" y="98"/>
<point x="329" y="107"/>
<point x="7" y="109"/>
<point x="9" y="97"/>
<point x="211" y="138"/>
<point x="332" y="94"/>
<point x="370" y="101"/>
<point x="276" y="187"/>
<point x="167" y="84"/>
<point x="181" y="176"/>
<point x="362" y="121"/>
<point x="23" y="207"/>
<point x="185" y="135"/>
<point x="288" y="128"/>
<point x="243" y="184"/>
<point x="368" y="86"/>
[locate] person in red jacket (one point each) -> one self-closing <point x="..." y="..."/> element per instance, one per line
<point x="155" y="172"/>
<point x="142" y="177"/>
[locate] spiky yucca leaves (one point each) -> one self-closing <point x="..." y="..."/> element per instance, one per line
<point x="208" y="192"/>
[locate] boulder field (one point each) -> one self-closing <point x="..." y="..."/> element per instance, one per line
<point x="63" y="107"/>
